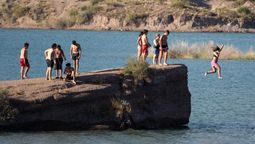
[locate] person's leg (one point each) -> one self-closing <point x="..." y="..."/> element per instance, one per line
<point x="47" y="73"/>
<point x="77" y="67"/>
<point x="56" y="73"/>
<point x="74" y="65"/>
<point x="21" y="72"/>
<point x="219" y="70"/>
<point x="154" y="59"/>
<point x="50" y="73"/>
<point x="211" y="71"/>
<point x="160" y="57"/>
<point x="60" y="75"/>
<point x="73" y="75"/>
<point x="26" y="71"/>
<point x="165" y="57"/>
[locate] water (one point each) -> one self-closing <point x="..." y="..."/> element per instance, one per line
<point x="223" y="111"/>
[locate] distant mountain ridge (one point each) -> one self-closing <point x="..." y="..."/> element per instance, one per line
<point x="156" y="15"/>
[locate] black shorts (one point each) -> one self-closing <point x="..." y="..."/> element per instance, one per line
<point x="75" y="56"/>
<point x="58" y="64"/>
<point x="69" y="77"/>
<point x="50" y="63"/>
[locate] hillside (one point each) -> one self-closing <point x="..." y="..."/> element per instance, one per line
<point x="175" y="15"/>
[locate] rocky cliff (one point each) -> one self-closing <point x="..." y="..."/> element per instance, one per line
<point x="156" y="15"/>
<point x="101" y="100"/>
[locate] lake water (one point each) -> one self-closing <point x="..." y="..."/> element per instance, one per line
<point x="223" y="111"/>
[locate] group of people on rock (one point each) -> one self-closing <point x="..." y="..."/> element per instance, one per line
<point x="160" y="46"/>
<point x="54" y="57"/>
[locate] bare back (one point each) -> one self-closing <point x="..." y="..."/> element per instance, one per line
<point x="144" y="39"/>
<point x="163" y="40"/>
<point x="74" y="48"/>
<point x="23" y="53"/>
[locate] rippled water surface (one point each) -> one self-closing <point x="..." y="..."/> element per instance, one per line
<point x="223" y="111"/>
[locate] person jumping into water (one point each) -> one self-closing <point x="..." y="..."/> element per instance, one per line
<point x="214" y="62"/>
<point x="24" y="64"/>
<point x="75" y="54"/>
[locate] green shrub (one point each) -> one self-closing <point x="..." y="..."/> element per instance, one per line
<point x="7" y="112"/>
<point x="180" y="3"/>
<point x="94" y="2"/>
<point x="138" y="69"/>
<point x="244" y="11"/>
<point x="19" y="11"/>
<point x="135" y="17"/>
<point x="63" y="23"/>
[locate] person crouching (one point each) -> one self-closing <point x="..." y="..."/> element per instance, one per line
<point x="70" y="75"/>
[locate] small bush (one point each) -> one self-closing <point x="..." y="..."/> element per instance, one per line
<point x="63" y="23"/>
<point x="180" y="3"/>
<point x="94" y="2"/>
<point x="244" y="11"/>
<point x="7" y="112"/>
<point x="136" y="17"/>
<point x="138" y="69"/>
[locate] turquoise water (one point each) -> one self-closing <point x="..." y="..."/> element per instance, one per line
<point x="223" y="111"/>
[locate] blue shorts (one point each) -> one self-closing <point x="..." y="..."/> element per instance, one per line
<point x="156" y="51"/>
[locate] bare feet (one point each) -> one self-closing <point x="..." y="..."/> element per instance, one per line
<point x="165" y="64"/>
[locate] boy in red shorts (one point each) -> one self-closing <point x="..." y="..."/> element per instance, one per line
<point x="24" y="64"/>
<point x="145" y="44"/>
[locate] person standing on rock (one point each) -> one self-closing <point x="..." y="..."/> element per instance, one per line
<point x="24" y="64"/>
<point x="156" y="49"/>
<point x="139" y="46"/>
<point x="75" y="54"/>
<point x="49" y="56"/>
<point x="163" y="49"/>
<point x="145" y="45"/>
<point x="59" y="55"/>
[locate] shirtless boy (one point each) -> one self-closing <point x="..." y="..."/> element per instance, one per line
<point x="49" y="56"/>
<point x="59" y="55"/>
<point x="163" y="47"/>
<point x="75" y="54"/>
<point x="24" y="64"/>
<point x="145" y="45"/>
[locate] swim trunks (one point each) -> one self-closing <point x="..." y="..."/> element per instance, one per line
<point x="58" y="64"/>
<point x="50" y="63"/>
<point x="144" y="49"/>
<point x="213" y="63"/>
<point x="24" y="62"/>
<point x="75" y="56"/>
<point x="69" y="77"/>
<point x="164" y="48"/>
<point x="156" y="51"/>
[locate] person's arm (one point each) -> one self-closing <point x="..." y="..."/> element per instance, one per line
<point x="71" y="51"/>
<point x="155" y="42"/>
<point x="46" y="53"/>
<point x="221" y="48"/>
<point x="63" y="54"/>
<point x="79" y="51"/>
